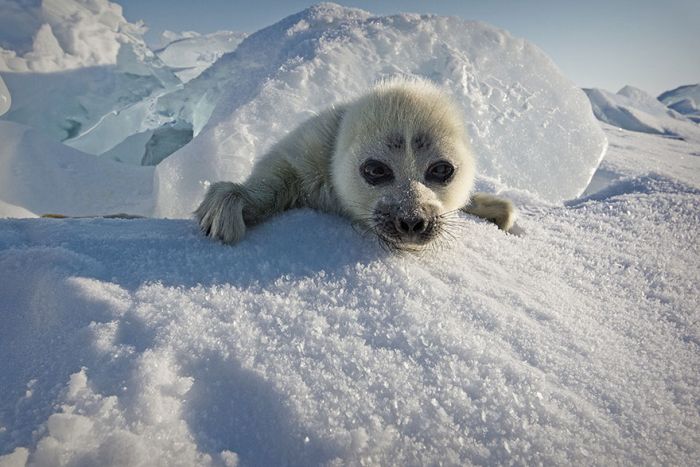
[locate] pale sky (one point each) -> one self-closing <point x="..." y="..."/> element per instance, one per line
<point x="653" y="45"/>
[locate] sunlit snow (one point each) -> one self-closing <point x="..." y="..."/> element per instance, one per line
<point x="141" y="342"/>
<point x="531" y="128"/>
<point x="135" y="341"/>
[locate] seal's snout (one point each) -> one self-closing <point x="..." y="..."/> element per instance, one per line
<point x="416" y="229"/>
<point x="406" y="228"/>
<point x="410" y="226"/>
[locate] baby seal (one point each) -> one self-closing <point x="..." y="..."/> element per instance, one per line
<point x="395" y="160"/>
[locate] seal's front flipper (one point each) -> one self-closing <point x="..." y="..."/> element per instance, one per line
<point x="498" y="210"/>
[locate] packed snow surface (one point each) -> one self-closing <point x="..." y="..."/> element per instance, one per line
<point x="134" y="342"/>
<point x="531" y="128"/>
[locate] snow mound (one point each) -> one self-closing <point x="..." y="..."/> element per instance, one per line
<point x="684" y="100"/>
<point x="635" y="110"/>
<point x="12" y="211"/>
<point x="101" y="96"/>
<point x="39" y="176"/>
<point x="143" y="343"/>
<point x="191" y="53"/>
<point x="530" y="127"/>
<point x="65" y="34"/>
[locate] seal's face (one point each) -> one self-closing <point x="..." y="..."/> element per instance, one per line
<point x="412" y="218"/>
<point x="402" y="165"/>
<point x="410" y="186"/>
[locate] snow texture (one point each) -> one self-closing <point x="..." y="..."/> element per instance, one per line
<point x="530" y="127"/>
<point x="634" y="109"/>
<point x="140" y="342"/>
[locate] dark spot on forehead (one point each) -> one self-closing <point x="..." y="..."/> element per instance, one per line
<point x="395" y="141"/>
<point x="421" y="140"/>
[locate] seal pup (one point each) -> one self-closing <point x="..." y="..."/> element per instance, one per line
<point x="395" y="160"/>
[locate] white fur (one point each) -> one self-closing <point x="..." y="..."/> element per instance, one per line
<point x="407" y="124"/>
<point x="406" y="109"/>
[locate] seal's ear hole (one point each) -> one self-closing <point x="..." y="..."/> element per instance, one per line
<point x="376" y="172"/>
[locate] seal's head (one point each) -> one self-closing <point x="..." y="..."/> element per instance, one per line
<point x="402" y="162"/>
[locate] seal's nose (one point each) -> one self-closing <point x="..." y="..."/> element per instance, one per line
<point x="410" y="226"/>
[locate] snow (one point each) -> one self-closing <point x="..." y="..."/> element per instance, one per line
<point x="192" y="53"/>
<point x="65" y="34"/>
<point x="668" y="158"/>
<point x="530" y="127"/>
<point x="167" y="37"/>
<point x="39" y="176"/>
<point x="634" y="109"/>
<point x="10" y="210"/>
<point x="92" y="109"/>
<point x="89" y="80"/>
<point x="684" y="100"/>
<point x="5" y="98"/>
<point x="142" y="342"/>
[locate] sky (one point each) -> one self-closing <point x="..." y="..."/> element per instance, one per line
<point x="650" y="44"/>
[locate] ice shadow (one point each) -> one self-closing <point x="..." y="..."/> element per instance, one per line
<point x="50" y="319"/>
<point x="229" y="407"/>
<point x="295" y="245"/>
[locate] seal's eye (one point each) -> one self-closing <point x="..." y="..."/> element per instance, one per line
<point x="440" y="172"/>
<point x="376" y="172"/>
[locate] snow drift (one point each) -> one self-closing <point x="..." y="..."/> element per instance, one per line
<point x="42" y="176"/>
<point x="684" y="100"/>
<point x="530" y="127"/>
<point x="633" y="109"/>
